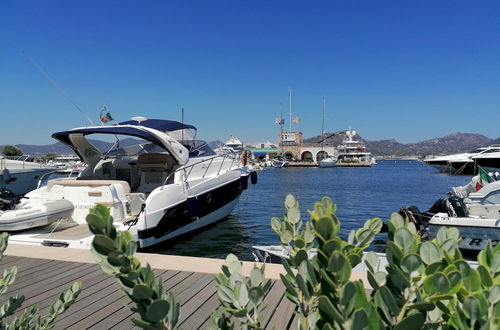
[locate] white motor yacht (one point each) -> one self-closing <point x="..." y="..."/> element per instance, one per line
<point x="158" y="189"/>
<point x="467" y="162"/>
<point x="353" y="152"/>
<point x="488" y="159"/>
<point x="20" y="175"/>
<point x="232" y="145"/>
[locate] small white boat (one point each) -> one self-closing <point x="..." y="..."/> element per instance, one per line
<point x="474" y="209"/>
<point x="274" y="254"/>
<point x="28" y="215"/>
<point x="327" y="162"/>
<point x="279" y="163"/>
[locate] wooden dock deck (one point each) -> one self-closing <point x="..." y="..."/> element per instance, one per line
<point x="101" y="304"/>
<point x="44" y="272"/>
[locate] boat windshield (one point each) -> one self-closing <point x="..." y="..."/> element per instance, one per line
<point x="197" y="148"/>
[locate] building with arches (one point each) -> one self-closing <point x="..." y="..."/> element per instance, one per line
<point x="292" y="147"/>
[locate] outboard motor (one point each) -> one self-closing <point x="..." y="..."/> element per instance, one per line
<point x="419" y="219"/>
<point x="8" y="200"/>
<point x="455" y="207"/>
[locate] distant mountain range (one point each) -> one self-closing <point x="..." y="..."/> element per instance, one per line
<point x="62" y="149"/>
<point x="453" y="143"/>
<point x="450" y="144"/>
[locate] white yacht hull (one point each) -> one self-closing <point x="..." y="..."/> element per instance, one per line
<point x="205" y="203"/>
<point x="327" y="162"/>
<point x="475" y="231"/>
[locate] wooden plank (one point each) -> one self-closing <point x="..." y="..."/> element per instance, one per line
<point x="46" y="298"/>
<point x="98" y="301"/>
<point x="198" y="302"/>
<point x="91" y="296"/>
<point x="6" y="260"/>
<point x="201" y="318"/>
<point x="24" y="264"/>
<point x="283" y="314"/>
<point x="44" y="275"/>
<point x="271" y="301"/>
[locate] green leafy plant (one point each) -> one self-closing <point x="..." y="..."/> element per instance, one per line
<point x="30" y="318"/>
<point x="241" y="297"/>
<point x="114" y="251"/>
<point x="320" y="287"/>
<point x="425" y="284"/>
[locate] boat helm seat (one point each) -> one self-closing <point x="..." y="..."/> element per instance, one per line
<point x="155" y="168"/>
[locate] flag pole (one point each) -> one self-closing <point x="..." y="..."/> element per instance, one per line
<point x="182" y="121"/>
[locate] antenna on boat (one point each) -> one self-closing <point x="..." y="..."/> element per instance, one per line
<point x="139" y="119"/>
<point x="57" y="86"/>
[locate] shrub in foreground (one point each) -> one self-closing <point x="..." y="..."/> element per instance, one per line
<point x="425" y="284"/>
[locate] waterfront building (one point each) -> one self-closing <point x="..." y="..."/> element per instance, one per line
<point x="293" y="148"/>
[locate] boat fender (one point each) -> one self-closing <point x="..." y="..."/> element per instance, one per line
<point x="244" y="182"/>
<point x="6" y="176"/>
<point x="253" y="177"/>
<point x="244" y="158"/>
<point x="193" y="206"/>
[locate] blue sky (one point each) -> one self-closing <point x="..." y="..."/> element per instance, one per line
<point x="408" y="70"/>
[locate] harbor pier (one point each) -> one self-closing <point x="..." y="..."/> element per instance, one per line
<point x="44" y="272"/>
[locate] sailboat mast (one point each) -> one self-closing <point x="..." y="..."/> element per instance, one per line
<point x="290" y="109"/>
<point x="323" y="123"/>
<point x="281" y="127"/>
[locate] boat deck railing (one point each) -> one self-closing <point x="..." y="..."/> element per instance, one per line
<point x="233" y="159"/>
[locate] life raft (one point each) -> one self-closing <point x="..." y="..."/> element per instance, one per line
<point x="31" y="214"/>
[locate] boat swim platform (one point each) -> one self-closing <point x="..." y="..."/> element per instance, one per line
<point x="45" y="272"/>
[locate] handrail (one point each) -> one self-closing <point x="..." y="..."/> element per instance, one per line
<point x="210" y="160"/>
<point x="40" y="180"/>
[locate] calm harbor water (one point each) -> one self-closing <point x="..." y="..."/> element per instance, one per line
<point x="360" y="194"/>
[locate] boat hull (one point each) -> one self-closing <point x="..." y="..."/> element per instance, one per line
<point x="190" y="214"/>
<point x="325" y="163"/>
<point x="475" y="231"/>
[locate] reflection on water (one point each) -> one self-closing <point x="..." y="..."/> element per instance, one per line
<point x="360" y="194"/>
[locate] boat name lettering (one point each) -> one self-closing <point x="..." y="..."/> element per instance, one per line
<point x="20" y="214"/>
<point x="85" y="206"/>
<point x="478" y="241"/>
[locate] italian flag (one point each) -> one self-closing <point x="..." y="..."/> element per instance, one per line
<point x="106" y="117"/>
<point x="484" y="178"/>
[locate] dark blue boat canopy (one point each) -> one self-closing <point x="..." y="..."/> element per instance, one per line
<point x="121" y="130"/>
<point x="159" y="124"/>
<point x="133" y="130"/>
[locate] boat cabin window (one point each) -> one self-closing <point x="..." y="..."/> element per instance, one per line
<point x="493" y="198"/>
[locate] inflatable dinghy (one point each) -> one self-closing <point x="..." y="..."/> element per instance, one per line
<point x="31" y="214"/>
